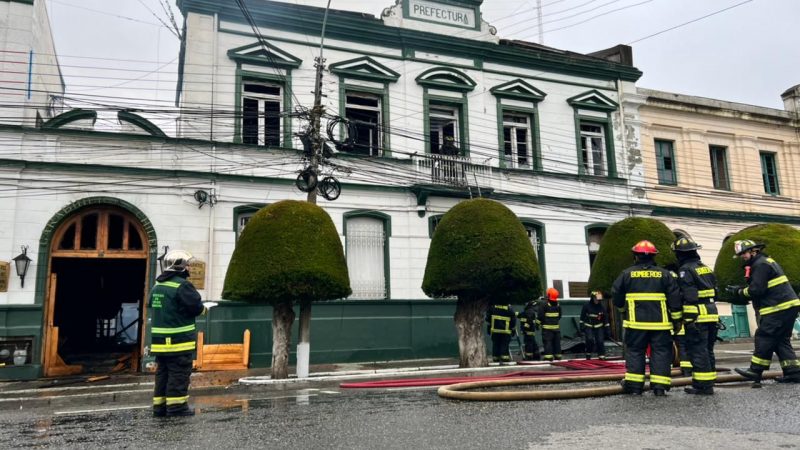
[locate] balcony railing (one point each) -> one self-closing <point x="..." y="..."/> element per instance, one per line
<point x="457" y="171"/>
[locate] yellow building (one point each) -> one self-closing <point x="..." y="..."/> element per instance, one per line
<point x="713" y="167"/>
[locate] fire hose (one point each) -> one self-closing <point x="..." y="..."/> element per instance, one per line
<point x="459" y="391"/>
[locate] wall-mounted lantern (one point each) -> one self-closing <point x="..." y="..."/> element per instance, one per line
<point x="22" y="262"/>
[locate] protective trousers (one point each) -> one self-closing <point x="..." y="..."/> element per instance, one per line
<point x="660" y="358"/>
<point x="696" y="340"/>
<point x="531" y="349"/>
<point x="171" y="393"/>
<point x="500" y="343"/>
<point x="683" y="354"/>
<point x="551" y="344"/>
<point x="773" y="336"/>
<point x="712" y="340"/>
<point x="594" y="338"/>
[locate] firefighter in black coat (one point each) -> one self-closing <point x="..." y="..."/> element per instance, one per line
<point x="698" y="291"/>
<point x="776" y="302"/>
<point x="550" y="317"/>
<point x="174" y="303"/>
<point x="528" y="324"/>
<point x="650" y="298"/>
<point x="501" y="327"/>
<point x="595" y="325"/>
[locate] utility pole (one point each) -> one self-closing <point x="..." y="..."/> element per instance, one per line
<point x="304" y="345"/>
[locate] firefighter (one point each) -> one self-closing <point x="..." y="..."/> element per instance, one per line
<point x="501" y="327"/>
<point x="528" y="324"/>
<point x="595" y="325"/>
<point x="697" y="284"/>
<point x="174" y="303"/>
<point x="776" y="302"/>
<point x="650" y="298"/>
<point x="550" y="316"/>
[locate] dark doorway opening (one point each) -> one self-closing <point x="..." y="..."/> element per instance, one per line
<point x="98" y="310"/>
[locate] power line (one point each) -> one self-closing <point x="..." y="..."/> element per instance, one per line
<point x="689" y="22"/>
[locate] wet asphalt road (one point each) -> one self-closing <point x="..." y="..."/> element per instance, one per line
<point x="738" y="417"/>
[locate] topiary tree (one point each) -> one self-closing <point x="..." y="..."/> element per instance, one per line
<point x="289" y="253"/>
<point x="615" y="249"/>
<point x="782" y="243"/>
<point x="480" y="252"/>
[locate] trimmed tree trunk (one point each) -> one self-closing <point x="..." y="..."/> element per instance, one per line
<point x="282" y="319"/>
<point x="469" y="318"/>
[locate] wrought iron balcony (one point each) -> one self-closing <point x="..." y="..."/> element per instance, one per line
<point x="458" y="171"/>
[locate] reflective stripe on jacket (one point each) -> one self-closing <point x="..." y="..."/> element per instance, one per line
<point x="174" y="304"/>
<point x="649" y="295"/>
<point x="697" y="284"/>
<point x="769" y="287"/>
<point x="550" y="315"/>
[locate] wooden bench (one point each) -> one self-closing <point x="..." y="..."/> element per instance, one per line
<point x="222" y="356"/>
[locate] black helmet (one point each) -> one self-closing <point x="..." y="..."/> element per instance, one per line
<point x="685" y="244"/>
<point x="740" y="247"/>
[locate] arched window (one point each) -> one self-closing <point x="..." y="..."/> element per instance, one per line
<point x="594" y="236"/>
<point x="367" y="250"/>
<point x="535" y="230"/>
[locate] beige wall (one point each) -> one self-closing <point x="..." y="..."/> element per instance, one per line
<point x="693" y="128"/>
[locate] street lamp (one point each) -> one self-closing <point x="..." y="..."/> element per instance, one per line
<point x="22" y="262"/>
<point x="161" y="258"/>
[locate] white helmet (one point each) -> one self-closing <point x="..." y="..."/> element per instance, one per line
<point x="177" y="260"/>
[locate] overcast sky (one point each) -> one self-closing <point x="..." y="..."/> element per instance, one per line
<point x="748" y="54"/>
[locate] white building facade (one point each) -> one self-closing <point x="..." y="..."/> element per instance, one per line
<point x="429" y="106"/>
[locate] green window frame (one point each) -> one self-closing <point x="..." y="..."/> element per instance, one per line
<point x="351" y="241"/>
<point x="242" y="214"/>
<point x="665" y="162"/>
<point x="382" y="128"/>
<point x="257" y="78"/>
<point x="437" y="127"/>
<point x="719" y="167"/>
<point x="769" y="173"/>
<point x="594" y="239"/>
<point x="594" y="134"/>
<point x="509" y="128"/>
<point x="537" y="236"/>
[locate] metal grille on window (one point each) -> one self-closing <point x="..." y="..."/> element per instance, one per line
<point x="365" y="258"/>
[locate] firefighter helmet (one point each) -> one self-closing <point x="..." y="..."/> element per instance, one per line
<point x="742" y="246"/>
<point x="644" y="248"/>
<point x="685" y="244"/>
<point x="552" y="294"/>
<point x="177" y="260"/>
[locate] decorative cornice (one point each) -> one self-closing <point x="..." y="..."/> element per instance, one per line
<point x="264" y="54"/>
<point x="364" y="68"/>
<point x="446" y="78"/>
<point x="518" y="89"/>
<point x="594" y="100"/>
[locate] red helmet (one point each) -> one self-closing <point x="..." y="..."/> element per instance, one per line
<point x="645" y="248"/>
<point x="552" y="294"/>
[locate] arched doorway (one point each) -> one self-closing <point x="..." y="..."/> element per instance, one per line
<point x="98" y="273"/>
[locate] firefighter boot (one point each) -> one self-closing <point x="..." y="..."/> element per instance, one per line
<point x="630" y="389"/>
<point x="793" y="377"/>
<point x="181" y="412"/>
<point x="699" y="390"/>
<point x="659" y="392"/>
<point x="160" y="411"/>
<point x="750" y="374"/>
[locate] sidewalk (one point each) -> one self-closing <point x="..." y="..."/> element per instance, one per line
<point x="53" y="391"/>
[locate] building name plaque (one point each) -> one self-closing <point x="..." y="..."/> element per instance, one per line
<point x="441" y="13"/>
<point x="197" y="274"/>
<point x="5" y="272"/>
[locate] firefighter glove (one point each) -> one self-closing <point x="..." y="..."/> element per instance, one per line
<point x="736" y="291"/>
<point x="676" y="326"/>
